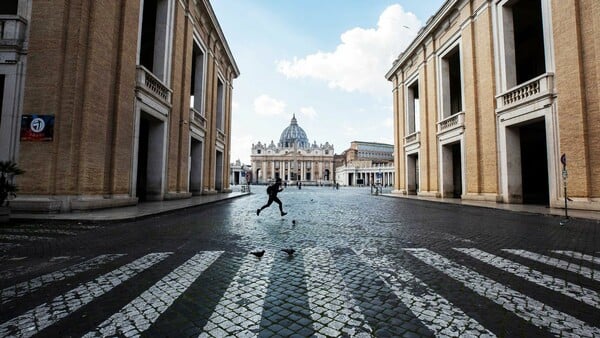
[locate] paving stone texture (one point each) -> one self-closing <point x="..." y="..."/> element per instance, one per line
<point x="363" y="266"/>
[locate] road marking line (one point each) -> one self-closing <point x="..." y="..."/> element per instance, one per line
<point x="569" y="289"/>
<point x="434" y="311"/>
<point x="579" y="255"/>
<point x="239" y="310"/>
<point x="533" y="311"/>
<point x="21" y="289"/>
<point x="333" y="309"/>
<point x="558" y="263"/>
<point x="137" y="316"/>
<point x="45" y="315"/>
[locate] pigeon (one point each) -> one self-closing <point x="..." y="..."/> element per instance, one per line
<point x="289" y="251"/>
<point x="258" y="254"/>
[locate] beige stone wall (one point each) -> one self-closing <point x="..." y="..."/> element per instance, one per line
<point x="429" y="118"/>
<point x="123" y="122"/>
<point x="82" y="69"/>
<point x="484" y="101"/>
<point x="591" y="43"/>
<point x="180" y="81"/>
<point x="479" y="92"/>
<point x="575" y="45"/>
<point x="576" y="29"/>
<point x="47" y="43"/>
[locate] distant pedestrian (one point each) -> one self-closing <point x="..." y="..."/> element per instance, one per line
<point x="272" y="191"/>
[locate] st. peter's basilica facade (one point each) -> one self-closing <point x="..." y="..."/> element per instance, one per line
<point x="293" y="159"/>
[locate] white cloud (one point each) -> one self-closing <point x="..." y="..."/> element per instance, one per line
<point x="360" y="61"/>
<point x="309" y="112"/>
<point x="266" y="105"/>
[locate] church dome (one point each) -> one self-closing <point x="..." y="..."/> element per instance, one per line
<point x="293" y="133"/>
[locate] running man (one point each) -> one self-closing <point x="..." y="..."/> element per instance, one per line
<point x="272" y="191"/>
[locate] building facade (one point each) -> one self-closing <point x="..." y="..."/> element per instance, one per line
<point x="240" y="173"/>
<point x="366" y="163"/>
<point x="293" y="159"/>
<point x="489" y="97"/>
<point x="135" y="98"/>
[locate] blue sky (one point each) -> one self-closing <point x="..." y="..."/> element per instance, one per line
<point x="322" y="60"/>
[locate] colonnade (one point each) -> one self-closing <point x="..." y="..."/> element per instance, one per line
<point x="311" y="170"/>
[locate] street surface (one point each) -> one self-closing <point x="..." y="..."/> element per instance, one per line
<point x="363" y="266"/>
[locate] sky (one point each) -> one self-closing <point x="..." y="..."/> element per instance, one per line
<point x="323" y="61"/>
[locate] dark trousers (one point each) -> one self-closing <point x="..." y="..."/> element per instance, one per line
<point x="271" y="200"/>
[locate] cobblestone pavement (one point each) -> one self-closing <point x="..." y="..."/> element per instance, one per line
<point x="362" y="266"/>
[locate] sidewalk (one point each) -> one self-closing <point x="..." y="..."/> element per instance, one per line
<point x="141" y="210"/>
<point x="525" y="208"/>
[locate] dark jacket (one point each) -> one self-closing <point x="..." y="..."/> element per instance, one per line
<point x="273" y="189"/>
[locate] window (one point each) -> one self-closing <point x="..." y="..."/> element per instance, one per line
<point x="412" y="109"/>
<point x="451" y="82"/>
<point x="524" y="46"/>
<point x="9" y="7"/>
<point x="155" y="38"/>
<point x="197" y="79"/>
<point x="220" y="105"/>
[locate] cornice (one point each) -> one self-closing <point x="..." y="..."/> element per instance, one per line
<point x="438" y="19"/>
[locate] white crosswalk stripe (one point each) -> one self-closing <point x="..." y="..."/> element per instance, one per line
<point x="239" y="311"/>
<point x="569" y="289"/>
<point x="436" y="312"/>
<point x="21" y="289"/>
<point x="558" y="263"/>
<point x="579" y="255"/>
<point x="137" y="316"/>
<point x="45" y="315"/>
<point x="531" y="310"/>
<point x="328" y="297"/>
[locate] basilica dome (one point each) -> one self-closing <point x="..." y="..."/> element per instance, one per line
<point x="293" y="133"/>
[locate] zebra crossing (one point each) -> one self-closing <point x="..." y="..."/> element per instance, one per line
<point x="333" y="306"/>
